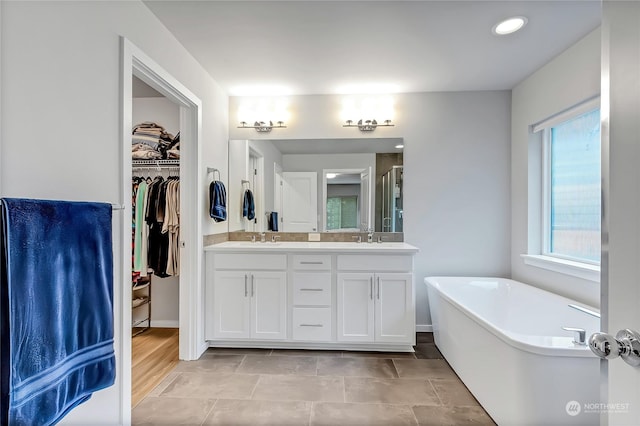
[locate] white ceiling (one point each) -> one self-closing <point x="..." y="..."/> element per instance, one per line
<point x="257" y="48"/>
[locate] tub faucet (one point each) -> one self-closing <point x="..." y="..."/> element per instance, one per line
<point x="369" y="235"/>
<point x="275" y="238"/>
<point x="580" y="335"/>
<point x="357" y="238"/>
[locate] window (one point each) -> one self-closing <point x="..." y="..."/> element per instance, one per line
<point x="572" y="187"/>
<point x="342" y="212"/>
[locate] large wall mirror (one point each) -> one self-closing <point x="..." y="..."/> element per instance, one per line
<point x="319" y="185"/>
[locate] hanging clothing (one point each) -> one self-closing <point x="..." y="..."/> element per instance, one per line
<point x="141" y="231"/>
<point x="171" y="226"/>
<point x="248" y="205"/>
<point x="217" y="201"/>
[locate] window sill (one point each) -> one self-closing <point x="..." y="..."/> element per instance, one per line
<point x="562" y="266"/>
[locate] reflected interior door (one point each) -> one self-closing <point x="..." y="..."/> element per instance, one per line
<point x="300" y="202"/>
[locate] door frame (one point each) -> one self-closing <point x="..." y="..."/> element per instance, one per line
<point x="191" y="339"/>
<point x="324" y="191"/>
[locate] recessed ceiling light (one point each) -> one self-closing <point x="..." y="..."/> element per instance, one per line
<point x="400" y="146"/>
<point x="331" y="175"/>
<point x="510" y="25"/>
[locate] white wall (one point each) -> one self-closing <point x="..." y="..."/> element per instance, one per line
<point x="570" y="78"/>
<point x="165" y="292"/>
<point x="61" y="108"/>
<point x="319" y="162"/>
<point x="456" y="170"/>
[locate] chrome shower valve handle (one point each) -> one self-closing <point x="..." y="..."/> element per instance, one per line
<point x="626" y="345"/>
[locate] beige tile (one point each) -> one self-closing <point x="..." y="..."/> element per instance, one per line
<point x="299" y="388"/>
<point x="211" y="386"/>
<point x="424" y="369"/>
<point x="356" y="367"/>
<point x="453" y="392"/>
<point x="332" y="414"/>
<point x="389" y="391"/>
<point x="211" y="364"/>
<point x="236" y="351"/>
<point x="250" y="413"/>
<point x="300" y="365"/>
<point x="386" y="355"/>
<point x="305" y="352"/>
<point x="452" y="416"/>
<point x="171" y="411"/>
<point x="163" y="384"/>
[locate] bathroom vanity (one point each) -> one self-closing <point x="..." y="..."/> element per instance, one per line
<point x="316" y="295"/>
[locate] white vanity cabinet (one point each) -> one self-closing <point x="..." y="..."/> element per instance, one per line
<point x="345" y="296"/>
<point x="311" y="298"/>
<point x="249" y="297"/>
<point x="375" y="306"/>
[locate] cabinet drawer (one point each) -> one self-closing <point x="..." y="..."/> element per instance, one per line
<point x="250" y="261"/>
<point x="312" y="324"/>
<point x="312" y="288"/>
<point x="312" y="262"/>
<point x="371" y="263"/>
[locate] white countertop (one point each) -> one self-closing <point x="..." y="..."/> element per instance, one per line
<point x="317" y="247"/>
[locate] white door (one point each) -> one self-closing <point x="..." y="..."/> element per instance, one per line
<point x="268" y="305"/>
<point x="300" y="202"/>
<point x="277" y="192"/>
<point x="355" y="307"/>
<point x="366" y="219"/>
<point x="394" y="308"/>
<point x="621" y="201"/>
<point x="232" y="305"/>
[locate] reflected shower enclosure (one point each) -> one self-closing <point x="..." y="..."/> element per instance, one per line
<point x="392" y="200"/>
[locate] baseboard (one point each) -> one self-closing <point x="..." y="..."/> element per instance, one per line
<point x="165" y="324"/>
<point x="424" y="328"/>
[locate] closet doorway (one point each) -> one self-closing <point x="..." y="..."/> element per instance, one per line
<point x="174" y="308"/>
<point x="155" y="280"/>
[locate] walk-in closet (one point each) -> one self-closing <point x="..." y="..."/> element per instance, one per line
<point x="155" y="234"/>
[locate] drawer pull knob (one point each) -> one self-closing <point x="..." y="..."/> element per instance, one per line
<point x="311" y="289"/>
<point x="311" y="325"/>
<point x="311" y="263"/>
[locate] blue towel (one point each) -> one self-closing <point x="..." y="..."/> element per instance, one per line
<point x="217" y="201"/>
<point x="248" y="205"/>
<point x="56" y="327"/>
<point x="273" y="221"/>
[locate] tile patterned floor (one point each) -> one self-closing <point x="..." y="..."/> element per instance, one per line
<point x="295" y="387"/>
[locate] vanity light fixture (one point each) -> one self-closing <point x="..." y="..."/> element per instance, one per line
<point x="368" y="125"/>
<point x="510" y="25"/>
<point x="261" y="126"/>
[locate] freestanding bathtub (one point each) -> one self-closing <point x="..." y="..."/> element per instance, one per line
<point x="504" y="340"/>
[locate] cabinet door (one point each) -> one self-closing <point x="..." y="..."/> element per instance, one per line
<point x="232" y="305"/>
<point x="394" y="315"/>
<point x="355" y="307"/>
<point x="268" y="305"/>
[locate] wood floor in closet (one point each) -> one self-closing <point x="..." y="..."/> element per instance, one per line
<point x="154" y="354"/>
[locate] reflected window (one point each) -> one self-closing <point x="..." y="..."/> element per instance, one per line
<point x="342" y="212"/>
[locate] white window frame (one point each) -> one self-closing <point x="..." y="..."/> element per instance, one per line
<point x="544" y="258"/>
